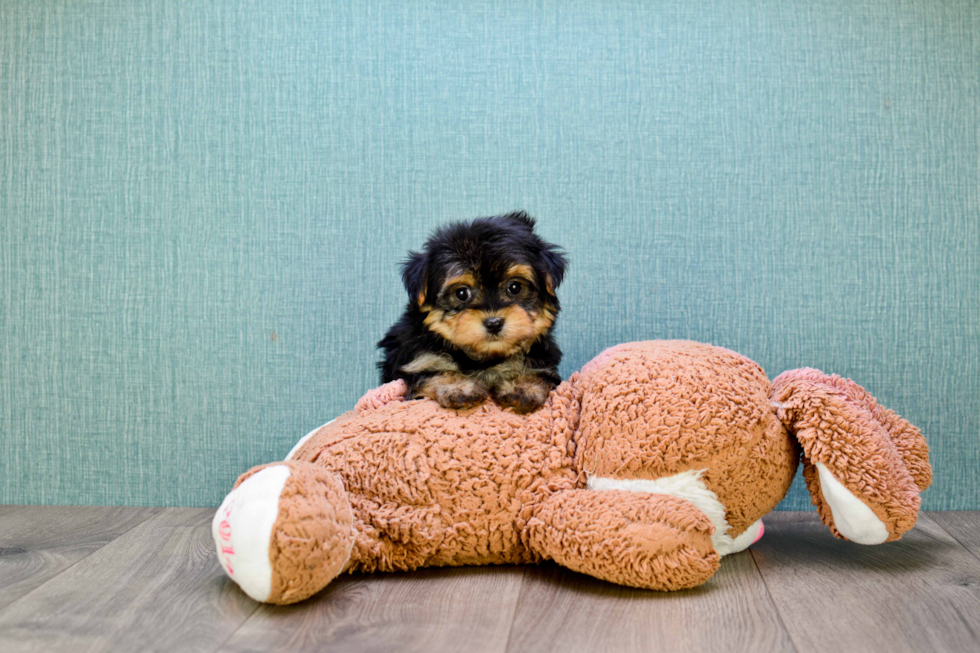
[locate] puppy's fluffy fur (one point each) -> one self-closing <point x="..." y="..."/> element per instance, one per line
<point x="480" y="315"/>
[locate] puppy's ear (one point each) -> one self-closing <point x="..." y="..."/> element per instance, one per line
<point x="554" y="264"/>
<point x="415" y="272"/>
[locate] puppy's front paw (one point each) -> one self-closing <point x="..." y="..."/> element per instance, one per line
<point x="456" y="392"/>
<point x="523" y="395"/>
<point x="462" y="395"/>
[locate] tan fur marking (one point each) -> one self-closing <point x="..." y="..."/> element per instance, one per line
<point x="469" y="328"/>
<point x="466" y="278"/>
<point x="523" y="395"/>
<point x="453" y="390"/>
<point x="544" y="319"/>
<point x="521" y="271"/>
<point x="429" y="362"/>
<point x="508" y="370"/>
<point x="465" y="330"/>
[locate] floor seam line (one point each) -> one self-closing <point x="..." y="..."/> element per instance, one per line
<point x="237" y="628"/>
<point x="772" y="602"/>
<point x="82" y="559"/>
<point x="952" y="535"/>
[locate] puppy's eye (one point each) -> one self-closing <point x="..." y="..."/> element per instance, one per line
<point x="514" y="288"/>
<point x="463" y="294"/>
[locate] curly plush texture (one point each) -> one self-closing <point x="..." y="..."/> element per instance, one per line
<point x="652" y="541"/>
<point x="431" y="486"/>
<point x="881" y="457"/>
<point x="684" y="445"/>
<point x="659" y="408"/>
<point x="312" y="536"/>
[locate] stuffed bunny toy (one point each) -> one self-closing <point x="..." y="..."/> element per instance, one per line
<point x="645" y="468"/>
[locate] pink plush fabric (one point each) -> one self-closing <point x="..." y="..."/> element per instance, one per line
<point x="875" y="453"/>
<point x="425" y="486"/>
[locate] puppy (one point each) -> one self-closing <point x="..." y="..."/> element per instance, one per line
<point x="481" y="310"/>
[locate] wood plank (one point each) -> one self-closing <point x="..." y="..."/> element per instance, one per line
<point x="432" y="610"/>
<point x="560" y="610"/>
<point x="39" y="542"/>
<point x="158" y="587"/>
<point x="963" y="525"/>
<point x="921" y="593"/>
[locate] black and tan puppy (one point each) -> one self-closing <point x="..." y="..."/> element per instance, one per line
<point x="481" y="310"/>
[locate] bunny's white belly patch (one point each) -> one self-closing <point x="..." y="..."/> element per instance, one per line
<point x="690" y="487"/>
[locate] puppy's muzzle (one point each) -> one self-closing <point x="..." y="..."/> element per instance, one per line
<point x="493" y="325"/>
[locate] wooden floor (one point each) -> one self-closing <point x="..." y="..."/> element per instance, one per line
<point x="144" y="579"/>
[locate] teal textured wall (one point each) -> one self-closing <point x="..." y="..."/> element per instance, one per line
<point x="203" y="205"/>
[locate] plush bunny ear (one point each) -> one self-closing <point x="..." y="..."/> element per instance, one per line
<point x="863" y="464"/>
<point x="414" y="276"/>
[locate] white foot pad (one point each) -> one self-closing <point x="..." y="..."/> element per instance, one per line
<point x="852" y="517"/>
<point x="749" y="536"/>
<point x="242" y="529"/>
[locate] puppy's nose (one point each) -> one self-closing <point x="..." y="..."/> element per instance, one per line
<point x="493" y="325"/>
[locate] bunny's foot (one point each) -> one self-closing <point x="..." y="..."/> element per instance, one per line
<point x="284" y="532"/>
<point x="652" y="541"/>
